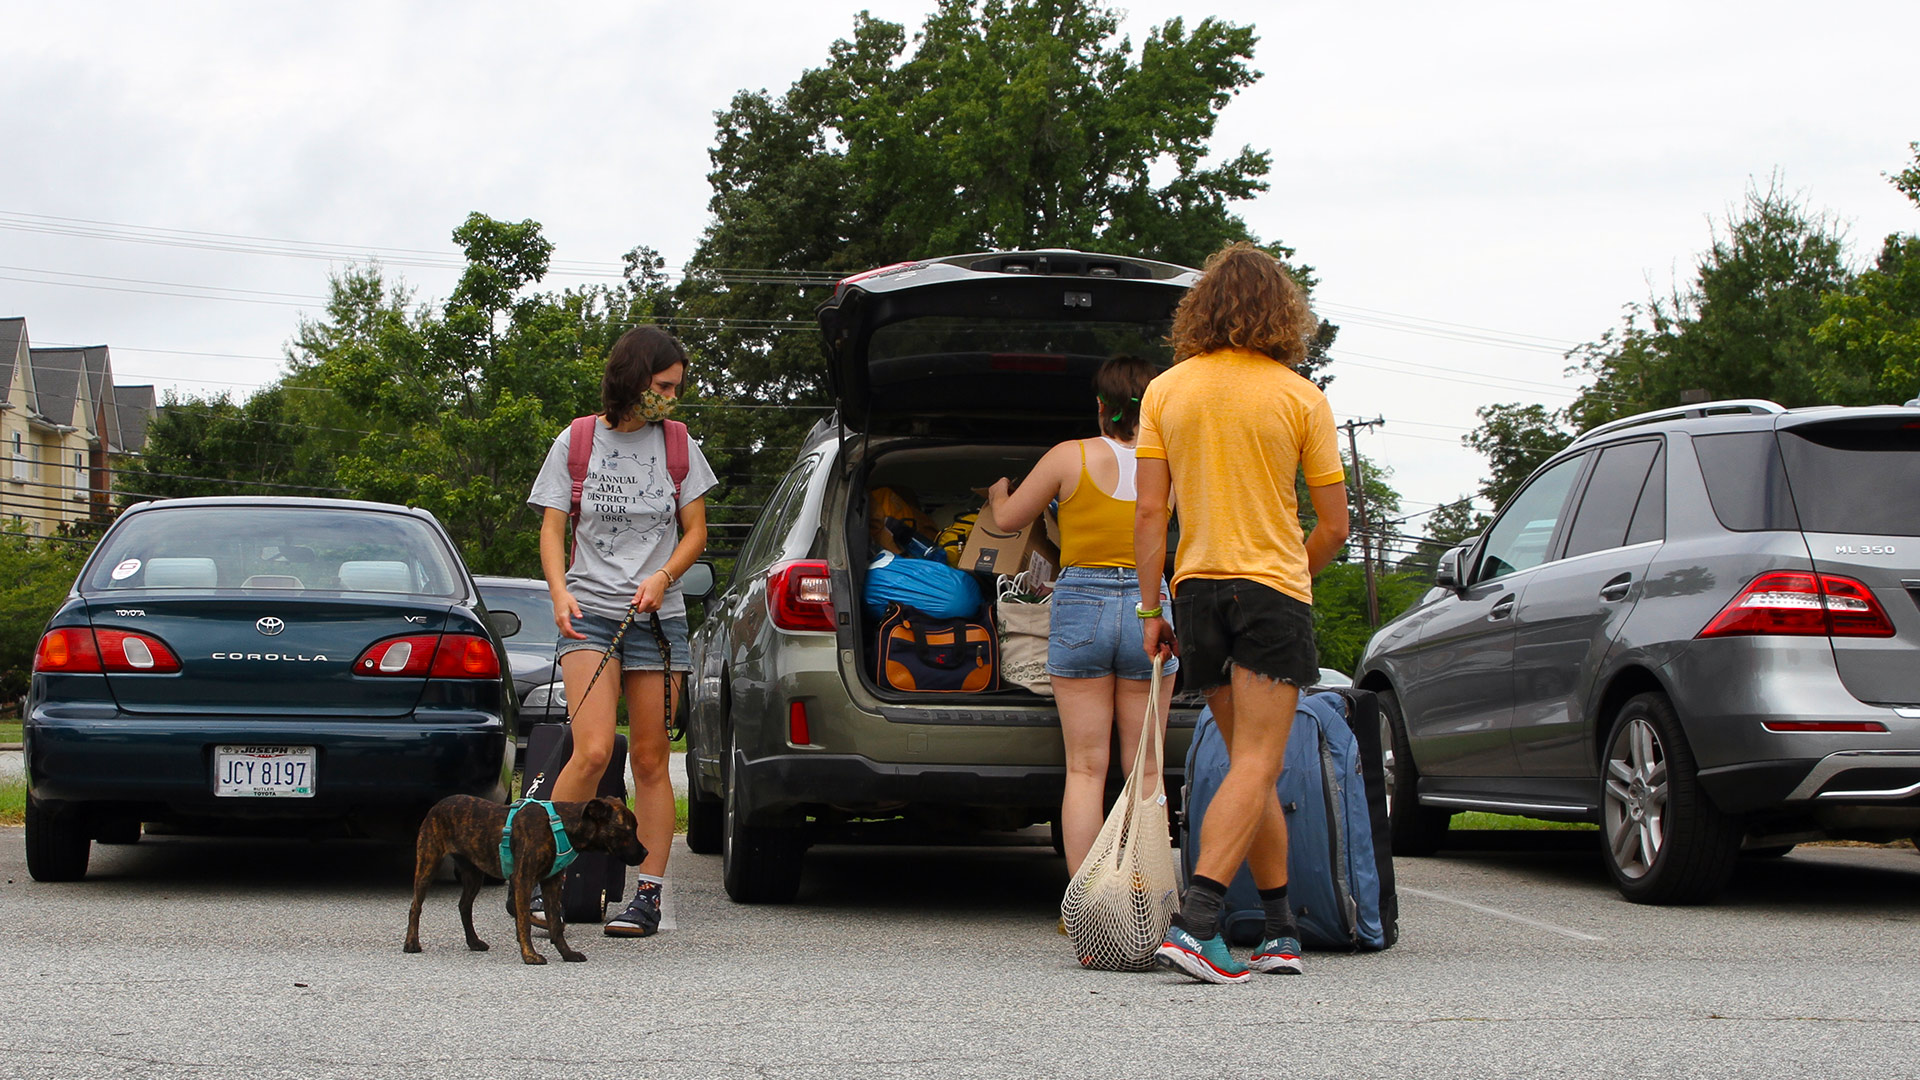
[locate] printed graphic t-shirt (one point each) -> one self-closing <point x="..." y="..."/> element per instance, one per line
<point x="1234" y="427"/>
<point x="629" y="522"/>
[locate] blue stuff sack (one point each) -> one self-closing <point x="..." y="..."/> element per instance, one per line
<point x="926" y="584"/>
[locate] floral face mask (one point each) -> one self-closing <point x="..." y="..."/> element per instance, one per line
<point x="655" y="406"/>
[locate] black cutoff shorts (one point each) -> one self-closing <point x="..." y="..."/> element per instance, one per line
<point x="1226" y="621"/>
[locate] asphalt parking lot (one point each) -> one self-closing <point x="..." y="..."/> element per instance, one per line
<point x="216" y="959"/>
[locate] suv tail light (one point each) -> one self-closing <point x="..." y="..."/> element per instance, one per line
<point x="800" y="595"/>
<point x="1795" y="602"/>
<point x="438" y="656"/>
<point x="76" y="650"/>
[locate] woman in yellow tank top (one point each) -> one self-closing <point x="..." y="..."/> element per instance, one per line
<point x="1095" y="657"/>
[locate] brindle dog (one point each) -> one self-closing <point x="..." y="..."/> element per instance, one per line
<point x="468" y="828"/>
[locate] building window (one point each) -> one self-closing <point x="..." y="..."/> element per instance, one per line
<point x="81" y="481"/>
<point x="19" y="459"/>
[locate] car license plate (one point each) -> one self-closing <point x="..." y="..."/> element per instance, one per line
<point x="263" y="772"/>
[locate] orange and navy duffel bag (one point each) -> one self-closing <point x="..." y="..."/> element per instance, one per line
<point x="923" y="654"/>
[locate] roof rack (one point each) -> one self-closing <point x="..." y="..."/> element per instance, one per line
<point x="1755" y="406"/>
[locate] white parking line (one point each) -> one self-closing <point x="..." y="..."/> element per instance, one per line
<point x="1497" y="913"/>
<point x="667" y="921"/>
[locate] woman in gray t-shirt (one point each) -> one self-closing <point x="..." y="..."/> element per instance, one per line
<point x="633" y="542"/>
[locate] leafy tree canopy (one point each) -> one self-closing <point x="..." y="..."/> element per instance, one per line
<point x="1874" y="329"/>
<point x="1004" y="124"/>
<point x="1516" y="439"/>
<point x="1742" y="329"/>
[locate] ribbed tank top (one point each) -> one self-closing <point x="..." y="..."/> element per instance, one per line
<point x="1096" y="529"/>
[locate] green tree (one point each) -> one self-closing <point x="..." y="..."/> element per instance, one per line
<point x="274" y="443"/>
<point x="458" y="406"/>
<point x="1742" y="329"/>
<point x="1516" y="439"/>
<point x="1874" y="327"/>
<point x="1340" y="627"/>
<point x="35" y="575"/>
<point x="1007" y="123"/>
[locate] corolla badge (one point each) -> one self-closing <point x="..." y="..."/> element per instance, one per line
<point x="270" y="626"/>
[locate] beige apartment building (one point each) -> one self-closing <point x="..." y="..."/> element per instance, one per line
<point x="63" y="424"/>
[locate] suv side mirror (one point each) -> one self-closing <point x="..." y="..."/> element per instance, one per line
<point x="504" y="623"/>
<point x="698" y="580"/>
<point x="1446" y="573"/>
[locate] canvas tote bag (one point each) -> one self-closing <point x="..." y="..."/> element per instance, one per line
<point x="1023" y="625"/>
<point x="1117" y="908"/>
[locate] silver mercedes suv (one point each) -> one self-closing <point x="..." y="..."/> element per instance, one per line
<point x="1697" y="627"/>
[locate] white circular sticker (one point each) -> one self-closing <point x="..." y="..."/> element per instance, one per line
<point x="126" y="569"/>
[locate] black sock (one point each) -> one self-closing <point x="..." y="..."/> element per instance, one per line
<point x="1279" y="913"/>
<point x="1199" y="913"/>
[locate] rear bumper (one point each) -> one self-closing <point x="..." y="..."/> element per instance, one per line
<point x="1728" y="691"/>
<point x="777" y="787"/>
<point x="166" y="765"/>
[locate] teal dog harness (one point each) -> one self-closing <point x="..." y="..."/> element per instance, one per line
<point x="563" y="853"/>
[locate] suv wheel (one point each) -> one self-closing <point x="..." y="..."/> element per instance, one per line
<point x="759" y="865"/>
<point x="1666" y="841"/>
<point x="1416" y="829"/>
<point x="57" y="845"/>
<point x="705" y="816"/>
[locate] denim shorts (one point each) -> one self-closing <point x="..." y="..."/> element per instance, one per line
<point x="1228" y="621"/>
<point x="639" y="651"/>
<point x="1094" y="630"/>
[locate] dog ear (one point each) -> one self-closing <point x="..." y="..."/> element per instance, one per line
<point x="599" y="811"/>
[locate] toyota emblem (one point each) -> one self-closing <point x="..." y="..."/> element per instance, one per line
<point x="270" y="626"/>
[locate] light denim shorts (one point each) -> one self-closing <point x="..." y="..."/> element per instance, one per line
<point x="1095" y="630"/>
<point x="639" y="651"/>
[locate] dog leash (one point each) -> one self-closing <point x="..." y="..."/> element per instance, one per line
<point x="674" y="731"/>
<point x="565" y="745"/>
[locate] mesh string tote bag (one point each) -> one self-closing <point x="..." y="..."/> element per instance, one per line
<point x="1119" y="904"/>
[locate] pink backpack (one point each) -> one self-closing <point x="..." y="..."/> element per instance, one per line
<point x="580" y="453"/>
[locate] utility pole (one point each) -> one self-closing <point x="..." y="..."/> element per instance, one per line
<point x="1367" y="546"/>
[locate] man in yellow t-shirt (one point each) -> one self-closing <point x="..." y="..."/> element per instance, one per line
<point x="1228" y="427"/>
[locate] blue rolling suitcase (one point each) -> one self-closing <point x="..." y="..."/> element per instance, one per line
<point x="1339" y="863"/>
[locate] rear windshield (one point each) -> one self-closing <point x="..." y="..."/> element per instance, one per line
<point x="535" y="608"/>
<point x="1856" y="477"/>
<point x="293" y="549"/>
<point x="1018" y="344"/>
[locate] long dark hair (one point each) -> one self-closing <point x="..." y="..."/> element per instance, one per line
<point x="1118" y="384"/>
<point x="639" y="355"/>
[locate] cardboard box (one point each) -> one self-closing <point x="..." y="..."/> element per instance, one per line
<point x="997" y="551"/>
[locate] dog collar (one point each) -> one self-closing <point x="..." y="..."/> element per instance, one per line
<point x="563" y="853"/>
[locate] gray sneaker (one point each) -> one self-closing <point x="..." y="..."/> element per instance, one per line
<point x="641" y="919"/>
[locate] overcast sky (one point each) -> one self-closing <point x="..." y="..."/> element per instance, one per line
<point x="1480" y="186"/>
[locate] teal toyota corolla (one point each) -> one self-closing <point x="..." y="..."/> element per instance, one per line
<point x="273" y="665"/>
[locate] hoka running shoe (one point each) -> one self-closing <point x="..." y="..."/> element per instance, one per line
<point x="1277" y="956"/>
<point x="1207" y="961"/>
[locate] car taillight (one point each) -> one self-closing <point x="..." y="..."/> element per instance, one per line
<point x="75" y="650"/>
<point x="1794" y="602"/>
<point x="126" y="651"/>
<point x="800" y="595"/>
<point x="465" y="656"/>
<point x="67" y="650"/>
<point x="439" y="656"/>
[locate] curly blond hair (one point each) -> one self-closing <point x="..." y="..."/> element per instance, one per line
<point x="1244" y="299"/>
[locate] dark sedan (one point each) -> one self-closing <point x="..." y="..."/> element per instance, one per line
<point x="265" y="665"/>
